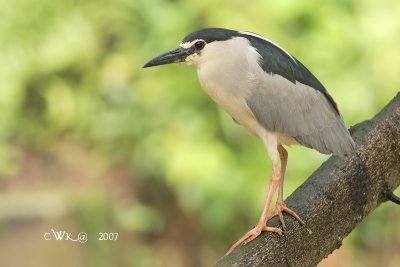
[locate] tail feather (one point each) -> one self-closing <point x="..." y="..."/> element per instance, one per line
<point x="335" y="139"/>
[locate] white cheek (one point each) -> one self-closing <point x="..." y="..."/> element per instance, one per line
<point x="192" y="59"/>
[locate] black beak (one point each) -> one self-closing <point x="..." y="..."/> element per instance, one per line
<point x="174" y="56"/>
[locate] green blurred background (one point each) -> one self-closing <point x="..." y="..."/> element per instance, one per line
<point x="91" y="142"/>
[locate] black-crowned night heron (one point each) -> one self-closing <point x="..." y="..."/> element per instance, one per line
<point x="271" y="94"/>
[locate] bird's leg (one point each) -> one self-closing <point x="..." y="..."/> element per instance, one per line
<point x="262" y="223"/>
<point x="280" y="204"/>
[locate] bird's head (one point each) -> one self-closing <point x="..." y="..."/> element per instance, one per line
<point x="194" y="47"/>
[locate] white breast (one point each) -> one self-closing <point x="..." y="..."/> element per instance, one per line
<point x="225" y="77"/>
<point x="229" y="76"/>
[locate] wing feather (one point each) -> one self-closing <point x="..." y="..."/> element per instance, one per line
<point x="300" y="111"/>
<point x="289" y="99"/>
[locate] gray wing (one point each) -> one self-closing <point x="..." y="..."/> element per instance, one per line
<point x="300" y="111"/>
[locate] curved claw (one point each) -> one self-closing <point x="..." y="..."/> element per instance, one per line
<point x="253" y="234"/>
<point x="279" y="209"/>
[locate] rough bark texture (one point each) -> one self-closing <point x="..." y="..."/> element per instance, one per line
<point x="334" y="199"/>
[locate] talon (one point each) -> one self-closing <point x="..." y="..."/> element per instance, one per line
<point x="253" y="234"/>
<point x="276" y="182"/>
<point x="278" y="211"/>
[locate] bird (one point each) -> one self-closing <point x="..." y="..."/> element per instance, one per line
<point x="272" y="95"/>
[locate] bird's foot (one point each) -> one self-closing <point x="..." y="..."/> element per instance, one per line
<point x="280" y="208"/>
<point x="253" y="234"/>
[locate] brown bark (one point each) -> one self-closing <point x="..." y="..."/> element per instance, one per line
<point x="334" y="199"/>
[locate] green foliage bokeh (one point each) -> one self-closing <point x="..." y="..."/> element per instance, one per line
<point x="74" y="93"/>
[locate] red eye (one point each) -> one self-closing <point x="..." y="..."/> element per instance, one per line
<point x="199" y="45"/>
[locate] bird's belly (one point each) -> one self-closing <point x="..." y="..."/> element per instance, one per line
<point x="236" y="106"/>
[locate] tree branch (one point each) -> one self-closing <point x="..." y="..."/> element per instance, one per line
<point x="334" y="199"/>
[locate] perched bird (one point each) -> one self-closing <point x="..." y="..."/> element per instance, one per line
<point x="271" y="94"/>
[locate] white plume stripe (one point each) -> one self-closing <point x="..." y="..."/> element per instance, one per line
<point x="189" y="44"/>
<point x="265" y="39"/>
<point x="185" y="45"/>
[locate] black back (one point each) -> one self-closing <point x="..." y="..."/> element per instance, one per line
<point x="274" y="60"/>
